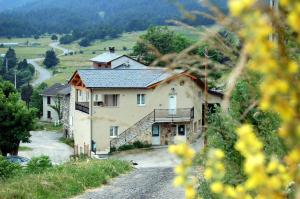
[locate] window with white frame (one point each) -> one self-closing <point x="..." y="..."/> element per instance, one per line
<point x="114" y="131"/>
<point x="111" y="100"/>
<point x="141" y="99"/>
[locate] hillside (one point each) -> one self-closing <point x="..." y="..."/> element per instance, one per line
<point x="29" y="17"/>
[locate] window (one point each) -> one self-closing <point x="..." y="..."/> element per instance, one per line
<point x="155" y="130"/>
<point x="181" y="130"/>
<point x="111" y="100"/>
<point x="114" y="131"/>
<point x="141" y="99"/>
<point x="49" y="114"/>
<point x="48" y="100"/>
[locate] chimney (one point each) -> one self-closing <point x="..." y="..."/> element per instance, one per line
<point x="111" y="49"/>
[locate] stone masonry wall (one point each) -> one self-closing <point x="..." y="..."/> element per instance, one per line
<point x="141" y="131"/>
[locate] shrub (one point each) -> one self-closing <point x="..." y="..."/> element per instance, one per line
<point x="135" y="145"/>
<point x="68" y="141"/>
<point x="7" y="169"/>
<point x="39" y="164"/>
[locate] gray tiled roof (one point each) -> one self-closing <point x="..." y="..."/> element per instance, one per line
<point x="122" y="78"/>
<point x="57" y="89"/>
<point x="105" y="57"/>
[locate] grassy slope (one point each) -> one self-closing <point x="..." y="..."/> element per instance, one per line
<point x="69" y="64"/>
<point x="31" y="51"/>
<point x="63" y="181"/>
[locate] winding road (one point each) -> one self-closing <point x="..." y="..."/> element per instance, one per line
<point x="42" y="72"/>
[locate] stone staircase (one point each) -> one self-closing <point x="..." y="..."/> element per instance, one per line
<point x="142" y="130"/>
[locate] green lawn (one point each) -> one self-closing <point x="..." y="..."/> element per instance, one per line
<point x="62" y="181"/>
<point x="24" y="52"/>
<point x="25" y="148"/>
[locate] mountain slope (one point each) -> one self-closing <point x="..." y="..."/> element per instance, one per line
<point x="29" y="17"/>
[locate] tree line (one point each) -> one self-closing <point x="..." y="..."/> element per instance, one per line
<point x="96" y="18"/>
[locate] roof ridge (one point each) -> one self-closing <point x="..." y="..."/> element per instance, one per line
<point x="120" y="69"/>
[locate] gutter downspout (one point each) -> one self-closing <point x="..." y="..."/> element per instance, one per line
<point x="91" y="120"/>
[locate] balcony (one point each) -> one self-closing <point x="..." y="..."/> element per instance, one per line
<point x="174" y="115"/>
<point x="82" y="106"/>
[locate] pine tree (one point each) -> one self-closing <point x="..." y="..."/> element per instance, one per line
<point x="51" y="59"/>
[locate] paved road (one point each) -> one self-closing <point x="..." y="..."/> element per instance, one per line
<point x="142" y="183"/>
<point x="43" y="73"/>
<point x="55" y="45"/>
<point x="47" y="143"/>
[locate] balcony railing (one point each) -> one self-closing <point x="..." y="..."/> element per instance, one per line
<point x="173" y="115"/>
<point x="82" y="106"/>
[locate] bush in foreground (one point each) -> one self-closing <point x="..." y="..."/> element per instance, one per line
<point x="7" y="169"/>
<point x="63" y="181"/>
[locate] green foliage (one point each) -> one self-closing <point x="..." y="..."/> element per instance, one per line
<point x="24" y="71"/>
<point x="7" y="169"/>
<point x="221" y="131"/>
<point x="50" y="59"/>
<point x="163" y="40"/>
<point x="63" y="181"/>
<point x="10" y="58"/>
<point x="39" y="164"/>
<point x="54" y="37"/>
<point x="26" y="92"/>
<point x="68" y="141"/>
<point x="36" y="100"/>
<point x="135" y="145"/>
<point x="16" y="120"/>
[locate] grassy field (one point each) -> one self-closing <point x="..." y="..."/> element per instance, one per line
<point x="28" y="52"/>
<point x="70" y="63"/>
<point x="62" y="181"/>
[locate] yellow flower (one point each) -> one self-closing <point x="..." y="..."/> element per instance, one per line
<point x="216" y="187"/>
<point x="180" y="169"/>
<point x="219" y="154"/>
<point x="293" y="67"/>
<point x="172" y="149"/>
<point x="179" y="180"/>
<point x="208" y="173"/>
<point x="190" y="193"/>
<point x="230" y="192"/>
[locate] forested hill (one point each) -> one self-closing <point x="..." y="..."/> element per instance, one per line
<point x="29" y="17"/>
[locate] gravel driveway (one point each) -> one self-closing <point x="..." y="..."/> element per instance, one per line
<point x="152" y="177"/>
<point x="47" y="143"/>
<point x="142" y="183"/>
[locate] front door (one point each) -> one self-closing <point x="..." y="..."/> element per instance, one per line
<point x="155" y="134"/>
<point x="172" y="104"/>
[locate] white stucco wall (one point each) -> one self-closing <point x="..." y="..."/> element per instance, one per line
<point x="46" y="108"/>
<point x="132" y="63"/>
<point x="129" y="112"/>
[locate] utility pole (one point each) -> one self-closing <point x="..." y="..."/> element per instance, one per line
<point x="206" y="97"/>
<point x="6" y="64"/>
<point x="15" y="78"/>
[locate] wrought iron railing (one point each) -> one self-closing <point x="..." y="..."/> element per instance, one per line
<point x="82" y="106"/>
<point x="173" y="114"/>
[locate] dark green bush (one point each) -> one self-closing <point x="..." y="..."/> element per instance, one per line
<point x="39" y="164"/>
<point x="7" y="169"/>
<point x="135" y="145"/>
